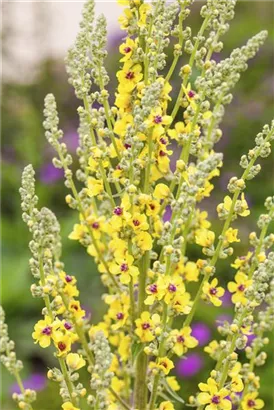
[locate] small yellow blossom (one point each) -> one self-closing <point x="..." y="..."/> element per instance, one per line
<point x="183" y="340"/>
<point x="44" y="331"/>
<point x="204" y="237"/>
<point x="161" y="191"/>
<point x="213" y="292"/>
<point x="125" y="268"/>
<point x="238" y="288"/>
<point x="172" y="382"/>
<point x="163" y="364"/>
<point x="250" y="402"/>
<point x="75" y="361"/>
<point x="69" y="406"/>
<point x="166" y="405"/>
<point x="95" y="187"/>
<point x="213" y="397"/>
<point x="145" y="326"/>
<point x="231" y="235"/>
<point x="143" y="240"/>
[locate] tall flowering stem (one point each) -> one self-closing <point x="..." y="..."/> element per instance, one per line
<point x="139" y="216"/>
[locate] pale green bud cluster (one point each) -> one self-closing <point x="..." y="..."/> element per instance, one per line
<point x="77" y="60"/>
<point x="101" y="376"/>
<point x="13" y="365"/>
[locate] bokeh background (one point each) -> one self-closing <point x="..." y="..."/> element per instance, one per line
<point x="35" y="38"/>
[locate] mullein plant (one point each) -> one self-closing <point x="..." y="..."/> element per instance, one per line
<point x="125" y="184"/>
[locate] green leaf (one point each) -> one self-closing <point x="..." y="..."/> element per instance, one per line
<point x="136" y="349"/>
<point x="173" y="394"/>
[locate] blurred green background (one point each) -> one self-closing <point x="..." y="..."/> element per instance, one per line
<point x="23" y="142"/>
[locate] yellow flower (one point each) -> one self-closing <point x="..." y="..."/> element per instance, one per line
<point x="241" y="205"/>
<point x="139" y="222"/>
<point x="69" y="406"/>
<point x="250" y="402"/>
<point x="75" y="309"/>
<point x="129" y="76"/>
<point x="126" y="49"/>
<point x="44" y="331"/>
<point x="204" y="237"/>
<point x="172" y="382"/>
<point x="124" y="347"/>
<point x="75" y="361"/>
<point x="79" y="231"/>
<point x="118" y="311"/>
<point x="166" y="405"/>
<point x="189" y="271"/>
<point x="161" y="191"/>
<point x="231" y="235"/>
<point x="236" y="379"/>
<point x="213" y="397"/>
<point x="212" y="349"/>
<point x="213" y="293"/>
<point x="62" y="343"/>
<point x="69" y="288"/>
<point x="125" y="268"/>
<point x="242" y="261"/>
<point x="244" y="206"/>
<point x="238" y="288"/>
<point x="163" y="364"/>
<point x="183" y="340"/>
<point x="125" y="18"/>
<point x="145" y="326"/>
<point x="95" y="187"/>
<point x="179" y="129"/>
<point x="143" y="10"/>
<point x="143" y="240"/>
<point x="157" y="119"/>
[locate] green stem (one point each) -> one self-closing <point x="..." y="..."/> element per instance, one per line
<point x="67" y="380"/>
<point x="140" y="387"/>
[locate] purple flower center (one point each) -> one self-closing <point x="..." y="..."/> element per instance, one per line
<point x="172" y="288"/>
<point x="136" y="222"/>
<point x="120" y="316"/>
<point x="251" y="403"/>
<point x="127" y="146"/>
<point x="124" y="267"/>
<point x="118" y="211"/>
<point x="68" y="278"/>
<point x="130" y="75"/>
<point x="127" y="49"/>
<point x="153" y="288"/>
<point x="241" y="288"/>
<point x="163" y="141"/>
<point x="213" y="291"/>
<point x="180" y="339"/>
<point x="215" y="400"/>
<point x="158" y="119"/>
<point x="61" y="346"/>
<point x="95" y="225"/>
<point x="67" y="325"/>
<point x="145" y="326"/>
<point x="47" y="330"/>
<point x="191" y="94"/>
<point x="162" y="153"/>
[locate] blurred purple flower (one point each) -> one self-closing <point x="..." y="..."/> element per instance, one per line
<point x="36" y="381"/>
<point x="49" y="174"/>
<point x="167" y="214"/>
<point x="221" y="319"/>
<point x="71" y="139"/>
<point x="189" y="365"/>
<point x="250" y="339"/>
<point x="201" y="332"/>
<point x="226" y="299"/>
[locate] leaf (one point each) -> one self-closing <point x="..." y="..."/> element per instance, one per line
<point x="173" y="394"/>
<point x="136" y="349"/>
